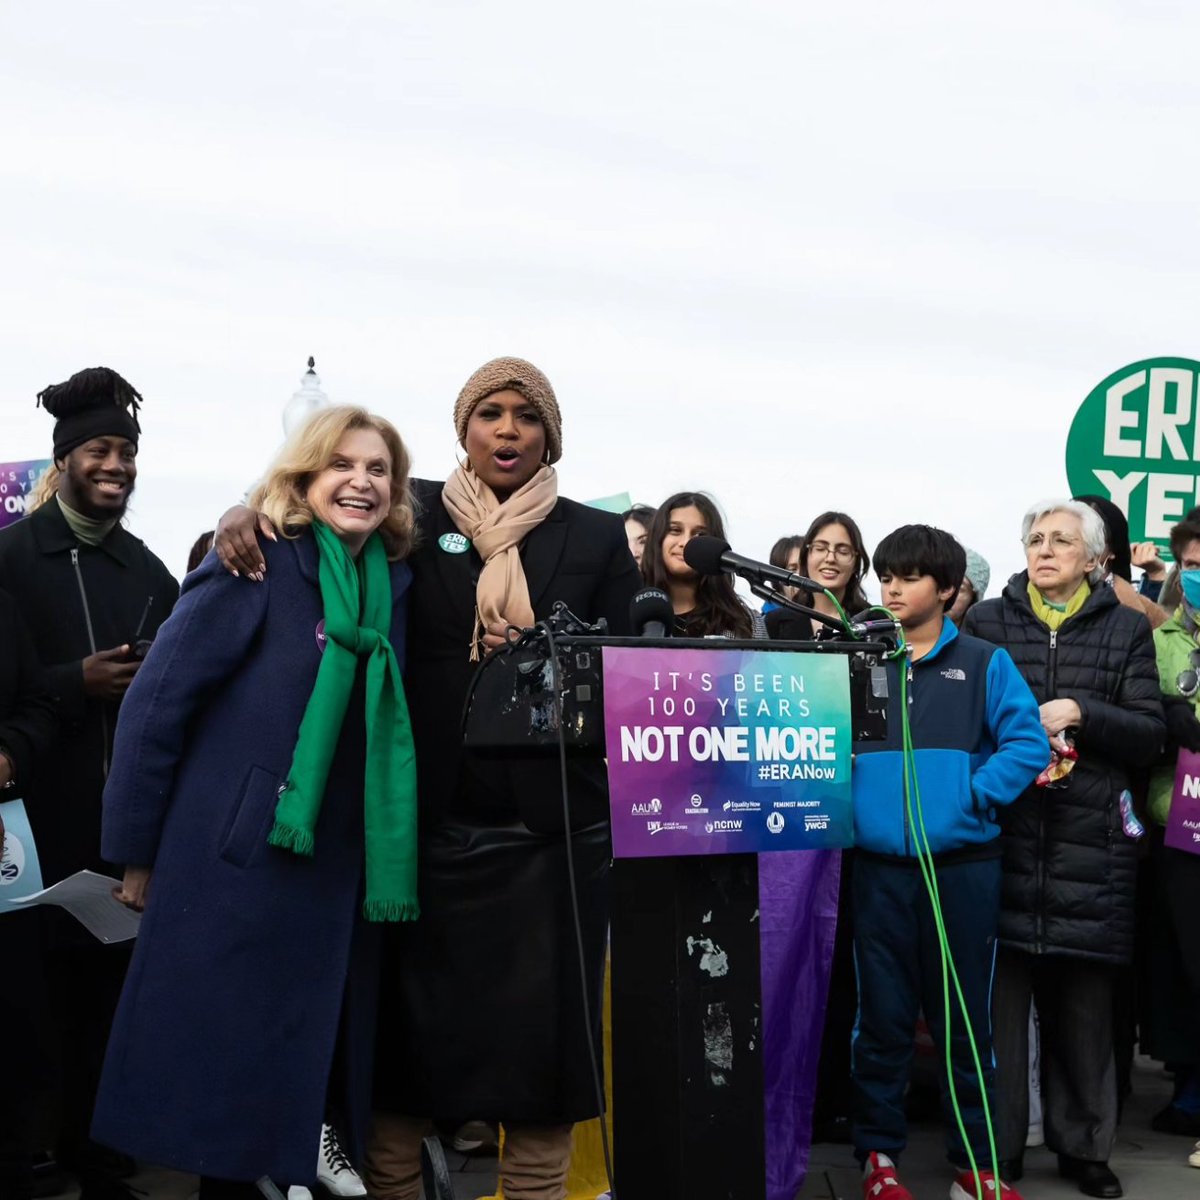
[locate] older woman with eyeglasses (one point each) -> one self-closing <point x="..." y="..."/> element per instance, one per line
<point x="1067" y="916"/>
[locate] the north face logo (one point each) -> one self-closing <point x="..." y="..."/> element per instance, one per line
<point x="954" y="673"/>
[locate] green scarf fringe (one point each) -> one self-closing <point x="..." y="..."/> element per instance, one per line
<point x="288" y="837"/>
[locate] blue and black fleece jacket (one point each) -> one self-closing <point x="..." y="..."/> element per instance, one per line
<point x="978" y="742"/>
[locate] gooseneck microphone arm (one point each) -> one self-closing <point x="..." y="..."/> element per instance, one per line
<point x="773" y="597"/>
<point x="708" y="555"/>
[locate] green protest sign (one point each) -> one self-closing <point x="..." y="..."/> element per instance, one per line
<point x="1136" y="439"/>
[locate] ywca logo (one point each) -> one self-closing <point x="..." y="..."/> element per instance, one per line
<point x="650" y="808"/>
<point x="775" y="822"/>
<point x="955" y="673"/>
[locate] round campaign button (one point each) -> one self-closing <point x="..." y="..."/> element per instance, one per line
<point x="12" y="859"/>
<point x="454" y="543"/>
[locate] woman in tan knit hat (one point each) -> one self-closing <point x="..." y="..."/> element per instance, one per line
<point x="481" y="1014"/>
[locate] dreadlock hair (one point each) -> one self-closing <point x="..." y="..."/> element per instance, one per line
<point x="94" y="402"/>
<point x="718" y="610"/>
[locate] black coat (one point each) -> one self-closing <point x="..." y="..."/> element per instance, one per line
<point x="481" y="1011"/>
<point x="129" y="595"/>
<point x="1069" y="868"/>
<point x="578" y="555"/>
<point x="28" y="721"/>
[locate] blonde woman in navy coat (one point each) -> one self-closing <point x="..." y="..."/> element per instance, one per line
<point x="242" y="799"/>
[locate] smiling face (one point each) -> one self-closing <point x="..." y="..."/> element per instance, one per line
<point x="1057" y="557"/>
<point x="505" y="442"/>
<point x="831" y="558"/>
<point x="683" y="525"/>
<point x="353" y="493"/>
<point x="98" y="477"/>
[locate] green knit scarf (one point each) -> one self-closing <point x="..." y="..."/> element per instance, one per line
<point x="348" y="589"/>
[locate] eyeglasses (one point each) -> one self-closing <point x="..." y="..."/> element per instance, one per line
<point x="1058" y="541"/>
<point x="841" y="551"/>
<point x="1187" y="683"/>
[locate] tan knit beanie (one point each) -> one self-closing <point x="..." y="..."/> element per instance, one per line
<point x="501" y="374"/>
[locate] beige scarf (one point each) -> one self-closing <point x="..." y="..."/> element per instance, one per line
<point x="502" y="596"/>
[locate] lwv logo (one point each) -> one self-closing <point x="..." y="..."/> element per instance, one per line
<point x="1191" y="787"/>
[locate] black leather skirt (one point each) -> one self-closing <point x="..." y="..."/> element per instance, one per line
<point x="481" y="1011"/>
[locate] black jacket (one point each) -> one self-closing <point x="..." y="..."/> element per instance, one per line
<point x="129" y="593"/>
<point x="1069" y="868"/>
<point x="28" y="721"/>
<point x="578" y="555"/>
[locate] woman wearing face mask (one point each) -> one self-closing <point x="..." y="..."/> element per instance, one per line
<point x="1067" y="903"/>
<point x="705" y="605"/>
<point x="481" y="1012"/>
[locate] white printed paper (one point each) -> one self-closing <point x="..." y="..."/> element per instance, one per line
<point x="88" y="898"/>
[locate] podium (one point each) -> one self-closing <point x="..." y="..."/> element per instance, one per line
<point x="719" y="751"/>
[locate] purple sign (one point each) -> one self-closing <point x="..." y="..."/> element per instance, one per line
<point x="1183" y="823"/>
<point x="726" y="751"/>
<point x="17" y="480"/>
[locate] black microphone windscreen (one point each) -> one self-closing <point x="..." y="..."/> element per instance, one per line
<point x="703" y="554"/>
<point x="650" y="604"/>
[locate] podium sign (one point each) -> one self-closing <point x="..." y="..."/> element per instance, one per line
<point x="726" y="751"/>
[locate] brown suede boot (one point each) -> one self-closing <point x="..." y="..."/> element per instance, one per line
<point x="534" y="1163"/>
<point x="392" y="1169"/>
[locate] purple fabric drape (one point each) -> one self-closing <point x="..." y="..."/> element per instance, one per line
<point x="798" y="900"/>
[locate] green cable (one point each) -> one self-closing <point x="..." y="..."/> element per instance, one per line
<point x="949" y="971"/>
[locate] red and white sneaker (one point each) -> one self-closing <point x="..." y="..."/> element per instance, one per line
<point x="963" y="1187"/>
<point x="880" y="1181"/>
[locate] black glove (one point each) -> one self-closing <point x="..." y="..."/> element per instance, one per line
<point x="1183" y="730"/>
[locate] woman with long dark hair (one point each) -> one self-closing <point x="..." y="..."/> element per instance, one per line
<point x="833" y="554"/>
<point x="705" y="605"/>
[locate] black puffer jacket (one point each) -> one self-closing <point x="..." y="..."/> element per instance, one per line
<point x="1068" y="867"/>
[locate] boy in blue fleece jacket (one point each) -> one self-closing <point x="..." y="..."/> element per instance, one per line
<point x="978" y="743"/>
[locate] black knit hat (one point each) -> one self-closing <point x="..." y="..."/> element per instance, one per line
<point x="93" y="403"/>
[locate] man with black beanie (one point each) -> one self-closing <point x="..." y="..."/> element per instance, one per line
<point x="93" y="597"/>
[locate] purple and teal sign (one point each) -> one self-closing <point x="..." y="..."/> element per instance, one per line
<point x="17" y="480"/>
<point x="726" y="751"/>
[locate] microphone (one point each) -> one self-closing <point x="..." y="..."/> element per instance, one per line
<point x="708" y="555"/>
<point x="876" y="625"/>
<point x="651" y="614"/>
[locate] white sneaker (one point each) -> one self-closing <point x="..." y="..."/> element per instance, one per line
<point x="299" y="1193"/>
<point x="1194" y="1157"/>
<point x="334" y="1172"/>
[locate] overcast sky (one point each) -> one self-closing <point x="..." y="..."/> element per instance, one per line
<point x="801" y="255"/>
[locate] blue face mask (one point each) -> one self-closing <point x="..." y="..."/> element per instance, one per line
<point x="1190" y="582"/>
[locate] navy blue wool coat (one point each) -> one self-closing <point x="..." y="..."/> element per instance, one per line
<point x="250" y="959"/>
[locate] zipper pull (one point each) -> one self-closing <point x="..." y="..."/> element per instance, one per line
<point x="1053" y="638"/>
<point x="74" y="556"/>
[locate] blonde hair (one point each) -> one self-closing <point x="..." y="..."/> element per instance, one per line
<point x="46" y="487"/>
<point x="282" y="493"/>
